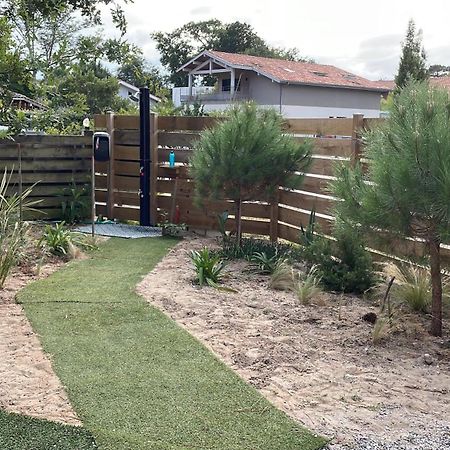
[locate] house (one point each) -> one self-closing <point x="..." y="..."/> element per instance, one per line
<point x="21" y="101"/>
<point x="295" y="89"/>
<point x="128" y="91"/>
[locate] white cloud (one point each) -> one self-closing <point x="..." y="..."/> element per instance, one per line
<point x="359" y="37"/>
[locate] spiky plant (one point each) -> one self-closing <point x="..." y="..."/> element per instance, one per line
<point x="406" y="189"/>
<point x="246" y="157"/>
<point x="308" y="285"/>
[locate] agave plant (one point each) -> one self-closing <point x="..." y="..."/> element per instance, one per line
<point x="208" y="267"/>
<point x="265" y="264"/>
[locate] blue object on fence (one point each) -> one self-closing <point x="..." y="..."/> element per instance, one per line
<point x="172" y="159"/>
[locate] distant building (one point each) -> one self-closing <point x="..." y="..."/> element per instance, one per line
<point x="20" y="101"/>
<point x="130" y="92"/>
<point x="295" y="89"/>
<point x="442" y="81"/>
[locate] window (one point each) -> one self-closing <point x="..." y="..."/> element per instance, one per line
<point x="226" y="85"/>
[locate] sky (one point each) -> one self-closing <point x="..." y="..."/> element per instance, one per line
<point x="360" y="36"/>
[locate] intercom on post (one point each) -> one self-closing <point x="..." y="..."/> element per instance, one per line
<point x="101" y="146"/>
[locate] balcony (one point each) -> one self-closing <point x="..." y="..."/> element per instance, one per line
<point x="213" y="97"/>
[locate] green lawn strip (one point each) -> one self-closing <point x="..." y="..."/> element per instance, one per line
<point x="136" y="379"/>
<point x="27" y="433"/>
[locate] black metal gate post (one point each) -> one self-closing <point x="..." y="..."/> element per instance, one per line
<point x="144" y="192"/>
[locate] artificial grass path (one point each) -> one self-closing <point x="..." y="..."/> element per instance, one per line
<point x="135" y="378"/>
<point x="19" y="433"/>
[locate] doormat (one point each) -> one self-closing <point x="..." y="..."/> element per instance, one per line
<point x="121" y="230"/>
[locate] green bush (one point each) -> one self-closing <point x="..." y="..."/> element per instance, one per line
<point x="208" y="267"/>
<point x="343" y="265"/>
<point x="75" y="203"/>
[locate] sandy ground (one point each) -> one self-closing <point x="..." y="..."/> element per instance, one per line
<point x="316" y="362"/>
<point x="28" y="384"/>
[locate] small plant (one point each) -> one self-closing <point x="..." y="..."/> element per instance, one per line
<point x="307" y="235"/>
<point x="265" y="264"/>
<point x="208" y="267"/>
<point x="173" y="229"/>
<point x="308" y="285"/>
<point x="75" y="203"/>
<point x="222" y="221"/>
<point x="380" y="329"/>
<point x="56" y="239"/>
<point x="282" y="277"/>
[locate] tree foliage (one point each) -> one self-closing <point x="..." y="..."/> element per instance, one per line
<point x="413" y="59"/>
<point x="178" y="46"/>
<point x="407" y="187"/>
<point x="246" y="157"/>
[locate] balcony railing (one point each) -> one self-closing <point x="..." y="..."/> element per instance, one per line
<point x="215" y="97"/>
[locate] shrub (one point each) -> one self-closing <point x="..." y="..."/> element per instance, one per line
<point x="208" y="267"/>
<point x="343" y="265"/>
<point x="308" y="285"/>
<point x="265" y="264"/>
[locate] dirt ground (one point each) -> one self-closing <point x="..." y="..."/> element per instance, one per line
<point x="318" y="362"/>
<point x="28" y="384"/>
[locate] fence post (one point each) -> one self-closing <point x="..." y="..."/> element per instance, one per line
<point x="111" y="166"/>
<point x="274" y="215"/>
<point x="358" y="124"/>
<point x="154" y="169"/>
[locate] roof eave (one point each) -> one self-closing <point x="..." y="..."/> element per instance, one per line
<point x="336" y="86"/>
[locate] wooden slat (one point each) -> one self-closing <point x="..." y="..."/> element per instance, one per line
<point x="49" y="140"/>
<point x="127" y="152"/>
<point x="101" y="182"/>
<point x="62" y="178"/>
<point x="126" y="183"/>
<point x="6" y="151"/>
<point x="46" y="165"/>
<point x="184" y="187"/>
<point x="324" y="166"/>
<point x="300" y="218"/>
<point x="320" y="127"/>
<point x="316" y="185"/>
<point x="304" y="201"/>
<point x="183" y="123"/>
<point x="177" y="139"/>
<point x="181" y="172"/>
<point x="99" y="120"/>
<point x="331" y="147"/>
<point x="126" y="168"/>
<point x="126" y="137"/>
<point x="127" y="122"/>
<point x="101" y="166"/>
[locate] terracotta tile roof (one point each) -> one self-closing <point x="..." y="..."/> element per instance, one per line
<point x="298" y="72"/>
<point x="443" y="82"/>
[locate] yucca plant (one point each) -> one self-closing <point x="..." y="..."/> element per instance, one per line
<point x="12" y="228"/>
<point x="264" y="264"/>
<point x="308" y="285"/>
<point x="208" y="267"/>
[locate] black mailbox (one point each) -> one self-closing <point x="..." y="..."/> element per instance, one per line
<point x="101" y="146"/>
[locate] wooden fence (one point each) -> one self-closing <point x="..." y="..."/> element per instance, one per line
<point x="117" y="182"/>
<point x="53" y="162"/>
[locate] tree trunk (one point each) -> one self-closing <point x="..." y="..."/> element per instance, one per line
<point x="238" y="204"/>
<point x="436" y="288"/>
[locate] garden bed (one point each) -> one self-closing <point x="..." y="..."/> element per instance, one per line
<point x="28" y="383"/>
<point x="318" y="362"/>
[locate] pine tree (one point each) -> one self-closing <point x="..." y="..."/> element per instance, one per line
<point x="407" y="187"/>
<point x="413" y="59"/>
<point x="247" y="157"/>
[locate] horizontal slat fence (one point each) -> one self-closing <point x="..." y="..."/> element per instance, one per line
<point x="335" y="140"/>
<point x="53" y="162"/>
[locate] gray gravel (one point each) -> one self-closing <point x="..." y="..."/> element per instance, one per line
<point x="435" y="438"/>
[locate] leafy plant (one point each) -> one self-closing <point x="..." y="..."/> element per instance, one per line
<point x="56" y="239"/>
<point x="75" y="203"/>
<point x="12" y="228"/>
<point x="307" y="235"/>
<point x="173" y="229"/>
<point x="282" y="277"/>
<point x="265" y="264"/>
<point x="208" y="267"/>
<point x="308" y="285"/>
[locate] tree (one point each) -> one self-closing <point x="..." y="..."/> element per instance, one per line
<point x="406" y="190"/>
<point x="413" y="59"/>
<point x="246" y="157"/>
<point x="185" y="42"/>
